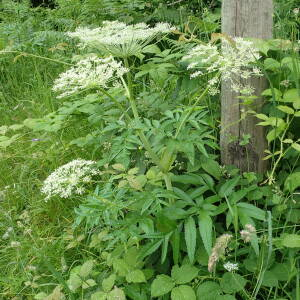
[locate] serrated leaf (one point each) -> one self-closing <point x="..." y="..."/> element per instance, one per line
<point x="252" y="211"/>
<point x="184" y="274"/>
<point x="99" y="296"/>
<point x="161" y="285"/>
<point x="116" y="294"/>
<point x="86" y="268"/>
<point x="232" y="283"/>
<point x="291" y="241"/>
<point x="227" y="188"/>
<point x="190" y="237"/>
<point x="135" y="276"/>
<point x="269" y="279"/>
<point x="205" y="228"/>
<point x="183" y="292"/>
<point x="208" y="290"/>
<point x="88" y="283"/>
<point x="108" y="283"/>
<point x="211" y="167"/>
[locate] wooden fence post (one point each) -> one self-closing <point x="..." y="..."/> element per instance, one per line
<point x="252" y="19"/>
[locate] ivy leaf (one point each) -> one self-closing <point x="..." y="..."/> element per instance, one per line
<point x="161" y="285"/>
<point x="190" y="237"/>
<point x="135" y="276"/>
<point x="232" y="283"/>
<point x="183" y="292"/>
<point x="208" y="290"/>
<point x="184" y="274"/>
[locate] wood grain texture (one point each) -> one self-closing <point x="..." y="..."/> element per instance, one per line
<point x="244" y="18"/>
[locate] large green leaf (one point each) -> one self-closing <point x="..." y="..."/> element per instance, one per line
<point x="190" y="235"/>
<point x="252" y="211"/>
<point x="211" y="167"/>
<point x="205" y="228"/>
<point x="108" y="283"/>
<point x="208" y="290"/>
<point x="292" y="182"/>
<point x="161" y="285"/>
<point x="116" y="294"/>
<point x="232" y="283"/>
<point x="135" y="276"/>
<point x="183" y="292"/>
<point x="227" y="188"/>
<point x="184" y="274"/>
<point x="291" y="241"/>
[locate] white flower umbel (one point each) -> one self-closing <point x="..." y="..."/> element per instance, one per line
<point x="88" y="73"/>
<point x="69" y="179"/>
<point x="230" y="266"/>
<point x="233" y="60"/>
<point x="120" y="39"/>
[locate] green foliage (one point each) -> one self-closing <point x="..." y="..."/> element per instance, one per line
<point x="149" y="223"/>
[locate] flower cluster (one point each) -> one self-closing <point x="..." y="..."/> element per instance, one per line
<point x="230" y="266"/>
<point x="232" y="61"/>
<point x="120" y="39"/>
<point x="70" y="179"/>
<point x="218" y="250"/>
<point x="88" y="73"/>
<point x="248" y="233"/>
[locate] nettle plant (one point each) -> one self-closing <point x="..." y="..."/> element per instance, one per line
<point x="159" y="203"/>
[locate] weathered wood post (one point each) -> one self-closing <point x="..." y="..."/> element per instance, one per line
<point x="252" y="19"/>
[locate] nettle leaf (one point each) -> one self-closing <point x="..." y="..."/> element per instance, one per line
<point x="161" y="285"/>
<point x="135" y="276"/>
<point x="116" y="294"/>
<point x="292" y="182"/>
<point x="208" y="290"/>
<point x="291" y="241"/>
<point x="184" y="274"/>
<point x="108" y="283"/>
<point x="183" y="292"/>
<point x="190" y="235"/>
<point x="205" y="228"/>
<point x="227" y="188"/>
<point x="232" y="283"/>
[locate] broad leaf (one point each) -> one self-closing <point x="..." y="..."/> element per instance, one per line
<point x="232" y="283"/>
<point x="184" y="274"/>
<point x="161" y="285"/>
<point x="183" y="292"/>
<point x="208" y="290"/>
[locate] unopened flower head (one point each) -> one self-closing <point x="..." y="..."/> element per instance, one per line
<point x="233" y="60"/>
<point x="247" y="233"/>
<point x="230" y="266"/>
<point x="70" y="179"/>
<point x="218" y="250"/>
<point x="118" y="38"/>
<point x="88" y="73"/>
